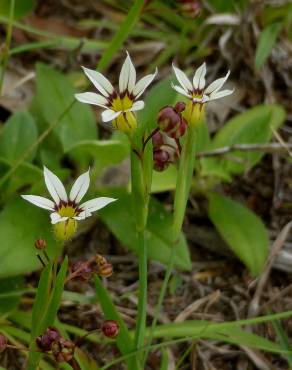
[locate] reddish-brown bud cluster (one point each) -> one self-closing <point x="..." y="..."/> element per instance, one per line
<point x="165" y="151"/>
<point x="81" y="271"/>
<point x="51" y="341"/>
<point x="40" y="244"/>
<point x="110" y="328"/>
<point x="171" y="122"/>
<point x="191" y="8"/>
<point x="3" y="343"/>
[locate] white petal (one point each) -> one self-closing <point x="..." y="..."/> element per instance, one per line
<point x="55" y="218"/>
<point x="217" y="84"/>
<point x="220" y="94"/>
<point x="138" y="105"/>
<point x="182" y="79"/>
<point x="142" y="84"/>
<point x="180" y="90"/>
<point x="127" y="76"/>
<point x="82" y="215"/>
<point x="109" y="115"/>
<point x="99" y="81"/>
<point x="92" y="98"/>
<point x="96" y="204"/>
<point x="40" y="201"/>
<point x="199" y="77"/>
<point x="55" y="186"/>
<point x="80" y="187"/>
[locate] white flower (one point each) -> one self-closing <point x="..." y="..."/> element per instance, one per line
<point x="64" y="208"/>
<point x="196" y="90"/>
<point x="118" y="105"/>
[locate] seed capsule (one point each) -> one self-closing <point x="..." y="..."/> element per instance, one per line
<point x="110" y="328"/>
<point x="45" y="341"/>
<point x="105" y="270"/>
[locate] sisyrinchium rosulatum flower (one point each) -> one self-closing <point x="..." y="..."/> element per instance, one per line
<point x="67" y="210"/>
<point x="197" y="92"/>
<point x="119" y="105"/>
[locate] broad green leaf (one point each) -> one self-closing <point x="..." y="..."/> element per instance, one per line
<point x="18" y="134"/>
<point x="124" y="340"/>
<point x="120" y="220"/>
<point x="266" y="43"/>
<point x="21" y="8"/>
<point x="164" y="181"/>
<point x="8" y="285"/>
<point x="20" y="225"/>
<point x="242" y="230"/>
<point x="26" y="174"/>
<point x="104" y="152"/>
<point x="54" y="94"/>
<point x="251" y="127"/>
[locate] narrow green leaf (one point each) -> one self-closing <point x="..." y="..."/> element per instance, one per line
<point x="242" y="230"/>
<point x="266" y="43"/>
<point x="124" y="340"/>
<point x="18" y="134"/>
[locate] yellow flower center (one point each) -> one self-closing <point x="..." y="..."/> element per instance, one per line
<point x="65" y="230"/>
<point x="122" y="104"/>
<point x="67" y="211"/>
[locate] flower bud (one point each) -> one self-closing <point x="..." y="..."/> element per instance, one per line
<point x="45" y="341"/>
<point x="170" y="121"/>
<point x="110" y="328"/>
<point x="157" y="140"/>
<point x="161" y="160"/>
<point x="3" y="343"/>
<point x="40" y="244"/>
<point x="105" y="270"/>
<point x="180" y="106"/>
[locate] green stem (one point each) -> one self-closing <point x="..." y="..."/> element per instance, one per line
<point x="184" y="177"/>
<point x="142" y="303"/>
<point x="7" y="44"/>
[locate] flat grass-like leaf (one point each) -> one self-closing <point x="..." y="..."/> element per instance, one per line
<point x="242" y="230"/>
<point x="266" y="43"/>
<point x="251" y="127"/>
<point x="231" y="333"/>
<point x="120" y="220"/>
<point x="46" y="306"/>
<point x="54" y="94"/>
<point x="20" y="225"/>
<point x="124" y="340"/>
<point x="17" y="135"/>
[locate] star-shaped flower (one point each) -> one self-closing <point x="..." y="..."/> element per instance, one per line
<point x="196" y="91"/>
<point x="119" y="105"/>
<point x="66" y="210"/>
